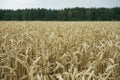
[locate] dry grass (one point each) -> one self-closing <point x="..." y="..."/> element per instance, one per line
<point x="59" y="50"/>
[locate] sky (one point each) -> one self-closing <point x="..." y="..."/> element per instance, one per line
<point x="57" y="4"/>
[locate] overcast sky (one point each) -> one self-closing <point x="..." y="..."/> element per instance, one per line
<point x="57" y="4"/>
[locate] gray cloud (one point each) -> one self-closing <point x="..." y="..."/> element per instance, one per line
<point x="56" y="4"/>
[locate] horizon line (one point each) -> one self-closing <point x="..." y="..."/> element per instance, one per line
<point x="61" y="8"/>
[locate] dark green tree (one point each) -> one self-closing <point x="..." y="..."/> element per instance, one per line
<point x="67" y="14"/>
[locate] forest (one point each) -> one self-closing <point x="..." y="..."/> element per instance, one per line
<point x="66" y="14"/>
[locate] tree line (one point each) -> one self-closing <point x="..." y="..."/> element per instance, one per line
<point x="67" y="14"/>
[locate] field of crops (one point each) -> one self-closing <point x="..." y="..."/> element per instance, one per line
<point x="59" y="50"/>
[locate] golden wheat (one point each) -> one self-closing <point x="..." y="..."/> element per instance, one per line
<point x="59" y="50"/>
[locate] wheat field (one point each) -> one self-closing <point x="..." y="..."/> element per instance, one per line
<point x="42" y="50"/>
